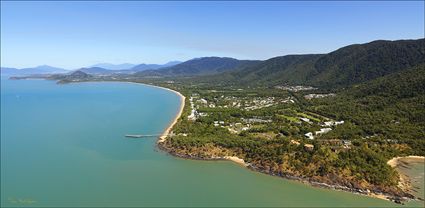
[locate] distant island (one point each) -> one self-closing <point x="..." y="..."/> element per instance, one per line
<point x="331" y="120"/>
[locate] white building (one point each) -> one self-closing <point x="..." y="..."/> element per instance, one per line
<point x="192" y="116"/>
<point x="203" y="101"/>
<point x="305" y="120"/>
<point x="339" y="122"/>
<point x="323" y="131"/>
<point x="309" y="135"/>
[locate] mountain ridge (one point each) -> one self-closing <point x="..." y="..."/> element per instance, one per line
<point x="199" y="66"/>
<point x="343" y="67"/>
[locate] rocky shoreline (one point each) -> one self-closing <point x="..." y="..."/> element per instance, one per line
<point x="400" y="199"/>
<point x="371" y="193"/>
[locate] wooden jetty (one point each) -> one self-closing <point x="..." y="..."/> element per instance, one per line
<point x="141" y="135"/>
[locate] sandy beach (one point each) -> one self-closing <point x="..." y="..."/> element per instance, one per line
<point x="168" y="129"/>
<point x="405" y="180"/>
<point x="179" y="113"/>
<point x="396" y="161"/>
<point x="236" y="160"/>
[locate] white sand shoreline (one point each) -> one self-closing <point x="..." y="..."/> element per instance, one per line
<point x="404" y="182"/>
<point x="395" y="161"/>
<point x="235" y="159"/>
<point x="167" y="130"/>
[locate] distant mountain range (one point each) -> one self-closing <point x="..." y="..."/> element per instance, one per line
<point x="343" y="67"/>
<point x="114" y="66"/>
<point x="346" y="66"/>
<point x="134" y="67"/>
<point x="97" y="69"/>
<point x="114" y="69"/>
<point x="44" y="69"/>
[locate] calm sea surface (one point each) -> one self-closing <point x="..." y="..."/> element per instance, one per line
<point x="64" y="145"/>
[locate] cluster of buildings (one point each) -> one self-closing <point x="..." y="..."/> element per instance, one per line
<point x="194" y="114"/>
<point x="247" y="103"/>
<point x="327" y="125"/>
<point x="259" y="102"/>
<point x="311" y="96"/>
<point x="294" y="88"/>
<point x="234" y="128"/>
<point x="238" y="127"/>
<point x="256" y="120"/>
<point x="332" y="123"/>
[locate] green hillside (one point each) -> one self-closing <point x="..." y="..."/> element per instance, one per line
<point x="199" y="66"/>
<point x="362" y="62"/>
<point x="346" y="66"/>
<point x="390" y="107"/>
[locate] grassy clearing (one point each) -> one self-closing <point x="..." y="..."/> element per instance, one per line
<point x="289" y="118"/>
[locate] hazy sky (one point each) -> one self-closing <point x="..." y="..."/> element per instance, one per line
<point x="76" y="34"/>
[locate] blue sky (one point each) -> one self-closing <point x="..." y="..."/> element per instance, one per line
<point x="77" y="34"/>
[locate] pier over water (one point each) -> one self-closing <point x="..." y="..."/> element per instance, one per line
<point x="141" y="135"/>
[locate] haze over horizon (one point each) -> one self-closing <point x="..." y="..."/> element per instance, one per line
<point x="72" y="35"/>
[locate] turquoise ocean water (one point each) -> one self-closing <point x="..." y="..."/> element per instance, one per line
<point x="64" y="145"/>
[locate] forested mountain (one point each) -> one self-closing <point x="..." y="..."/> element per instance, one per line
<point x="343" y="67"/>
<point x="404" y="84"/>
<point x="362" y="62"/>
<point x="199" y="66"/>
<point x="391" y="106"/>
<point x="282" y="69"/>
<point x="77" y="75"/>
